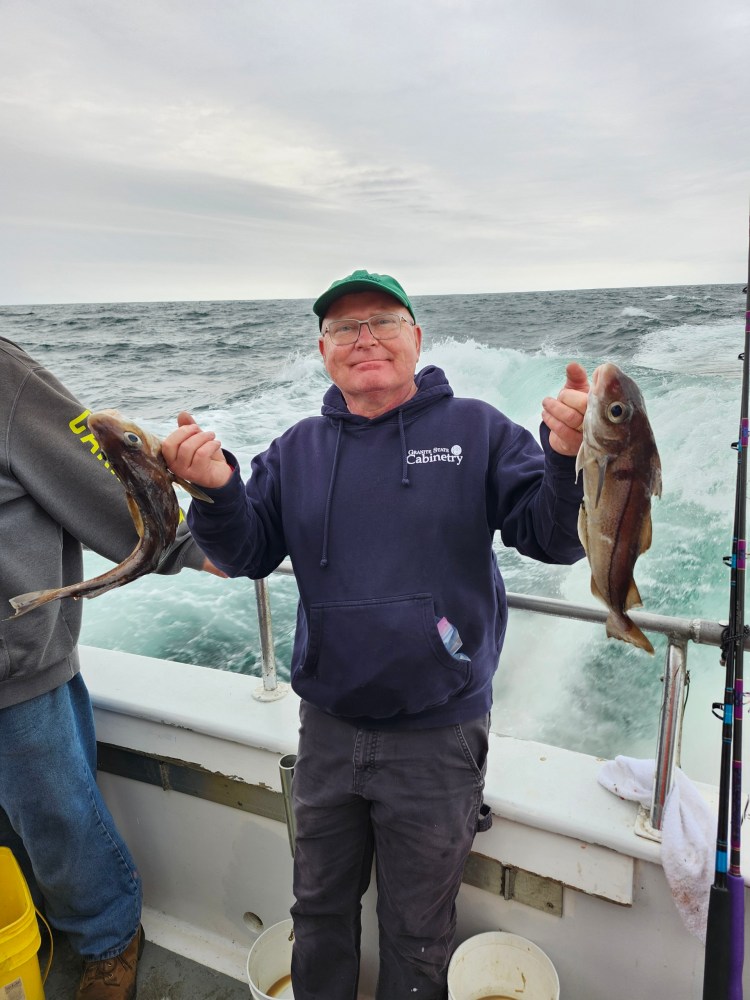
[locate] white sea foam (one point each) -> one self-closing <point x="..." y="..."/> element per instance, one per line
<point x="690" y="348"/>
<point x="634" y="311"/>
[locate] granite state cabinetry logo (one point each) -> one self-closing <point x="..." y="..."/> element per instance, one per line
<point x="426" y="456"/>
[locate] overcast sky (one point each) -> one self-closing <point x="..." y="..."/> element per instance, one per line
<point x="244" y="149"/>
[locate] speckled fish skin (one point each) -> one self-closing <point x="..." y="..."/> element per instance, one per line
<point x="135" y="455"/>
<point x="621" y="472"/>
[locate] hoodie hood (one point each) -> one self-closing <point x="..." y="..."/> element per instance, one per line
<point x="431" y="383"/>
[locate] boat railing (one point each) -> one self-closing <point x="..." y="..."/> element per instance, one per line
<point x="679" y="631"/>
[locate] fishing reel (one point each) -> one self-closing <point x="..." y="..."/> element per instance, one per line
<point x="727" y="638"/>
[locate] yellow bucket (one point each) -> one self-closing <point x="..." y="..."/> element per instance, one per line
<point x="20" y="977"/>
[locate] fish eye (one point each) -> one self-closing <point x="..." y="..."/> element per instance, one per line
<point x="618" y="412"/>
<point x="133" y="439"/>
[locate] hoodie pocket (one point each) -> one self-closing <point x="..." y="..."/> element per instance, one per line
<point x="378" y="658"/>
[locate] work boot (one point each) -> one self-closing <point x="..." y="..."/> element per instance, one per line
<point x="112" y="978"/>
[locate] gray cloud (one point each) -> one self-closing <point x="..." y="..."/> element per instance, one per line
<point x="174" y="149"/>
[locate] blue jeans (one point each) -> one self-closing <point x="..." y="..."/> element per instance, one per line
<point x="50" y="803"/>
<point x="413" y="801"/>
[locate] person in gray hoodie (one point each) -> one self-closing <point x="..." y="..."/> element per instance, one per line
<point x="56" y="494"/>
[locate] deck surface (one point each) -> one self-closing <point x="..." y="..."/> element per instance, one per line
<point x="162" y="975"/>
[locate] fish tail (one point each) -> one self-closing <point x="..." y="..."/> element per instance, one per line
<point x="24" y="603"/>
<point x="28" y="602"/>
<point x="620" y="626"/>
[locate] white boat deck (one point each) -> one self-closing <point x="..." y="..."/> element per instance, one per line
<point x="213" y="874"/>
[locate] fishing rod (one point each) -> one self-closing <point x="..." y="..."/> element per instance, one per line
<point x="725" y="929"/>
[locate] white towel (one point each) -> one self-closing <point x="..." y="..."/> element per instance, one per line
<point x="688" y="836"/>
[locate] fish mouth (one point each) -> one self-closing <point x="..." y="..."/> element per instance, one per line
<point x="606" y="380"/>
<point x="601" y="374"/>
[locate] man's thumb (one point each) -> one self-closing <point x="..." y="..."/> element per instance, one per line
<point x="576" y="377"/>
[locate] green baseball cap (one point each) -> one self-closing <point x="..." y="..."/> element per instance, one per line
<point x="360" y="281"/>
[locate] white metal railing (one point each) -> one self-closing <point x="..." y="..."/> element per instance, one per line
<point x="679" y="632"/>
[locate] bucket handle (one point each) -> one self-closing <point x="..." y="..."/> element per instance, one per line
<point x="51" y="944"/>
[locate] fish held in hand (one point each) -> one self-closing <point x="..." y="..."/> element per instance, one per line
<point x="621" y="472"/>
<point x="136" y="458"/>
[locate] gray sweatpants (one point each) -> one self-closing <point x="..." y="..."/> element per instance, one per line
<point x="412" y="799"/>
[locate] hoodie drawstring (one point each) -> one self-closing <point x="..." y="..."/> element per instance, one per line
<point x="324" y="553"/>
<point x="404" y="466"/>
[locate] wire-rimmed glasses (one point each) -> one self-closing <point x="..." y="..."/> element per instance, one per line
<point x="382" y="326"/>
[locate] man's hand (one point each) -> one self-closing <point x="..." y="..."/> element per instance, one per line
<point x="195" y="455"/>
<point x="564" y="415"/>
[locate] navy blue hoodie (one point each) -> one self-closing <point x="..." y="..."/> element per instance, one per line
<point x="389" y="525"/>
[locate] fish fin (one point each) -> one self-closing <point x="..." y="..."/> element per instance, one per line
<point x="596" y="592"/>
<point x="644" y="542"/>
<point x="633" y="599"/>
<point x="24" y="603"/>
<point x="579" y="461"/>
<point x="622" y="627"/>
<point x="194" y="491"/>
<point x="583" y="532"/>
<point x="602" y="462"/>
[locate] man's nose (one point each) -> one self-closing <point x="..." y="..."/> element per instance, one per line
<point x="369" y="340"/>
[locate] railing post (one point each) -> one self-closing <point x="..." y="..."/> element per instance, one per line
<point x="286" y="769"/>
<point x="669" y="741"/>
<point x="271" y="689"/>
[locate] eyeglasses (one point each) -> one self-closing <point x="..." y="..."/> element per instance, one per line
<point x="382" y="326"/>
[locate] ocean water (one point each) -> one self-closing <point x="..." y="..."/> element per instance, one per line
<point x="250" y="369"/>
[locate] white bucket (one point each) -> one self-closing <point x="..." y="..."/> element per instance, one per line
<point x="269" y="964"/>
<point x="499" y="966"/>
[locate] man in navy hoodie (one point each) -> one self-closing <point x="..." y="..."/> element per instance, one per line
<point x="387" y="504"/>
